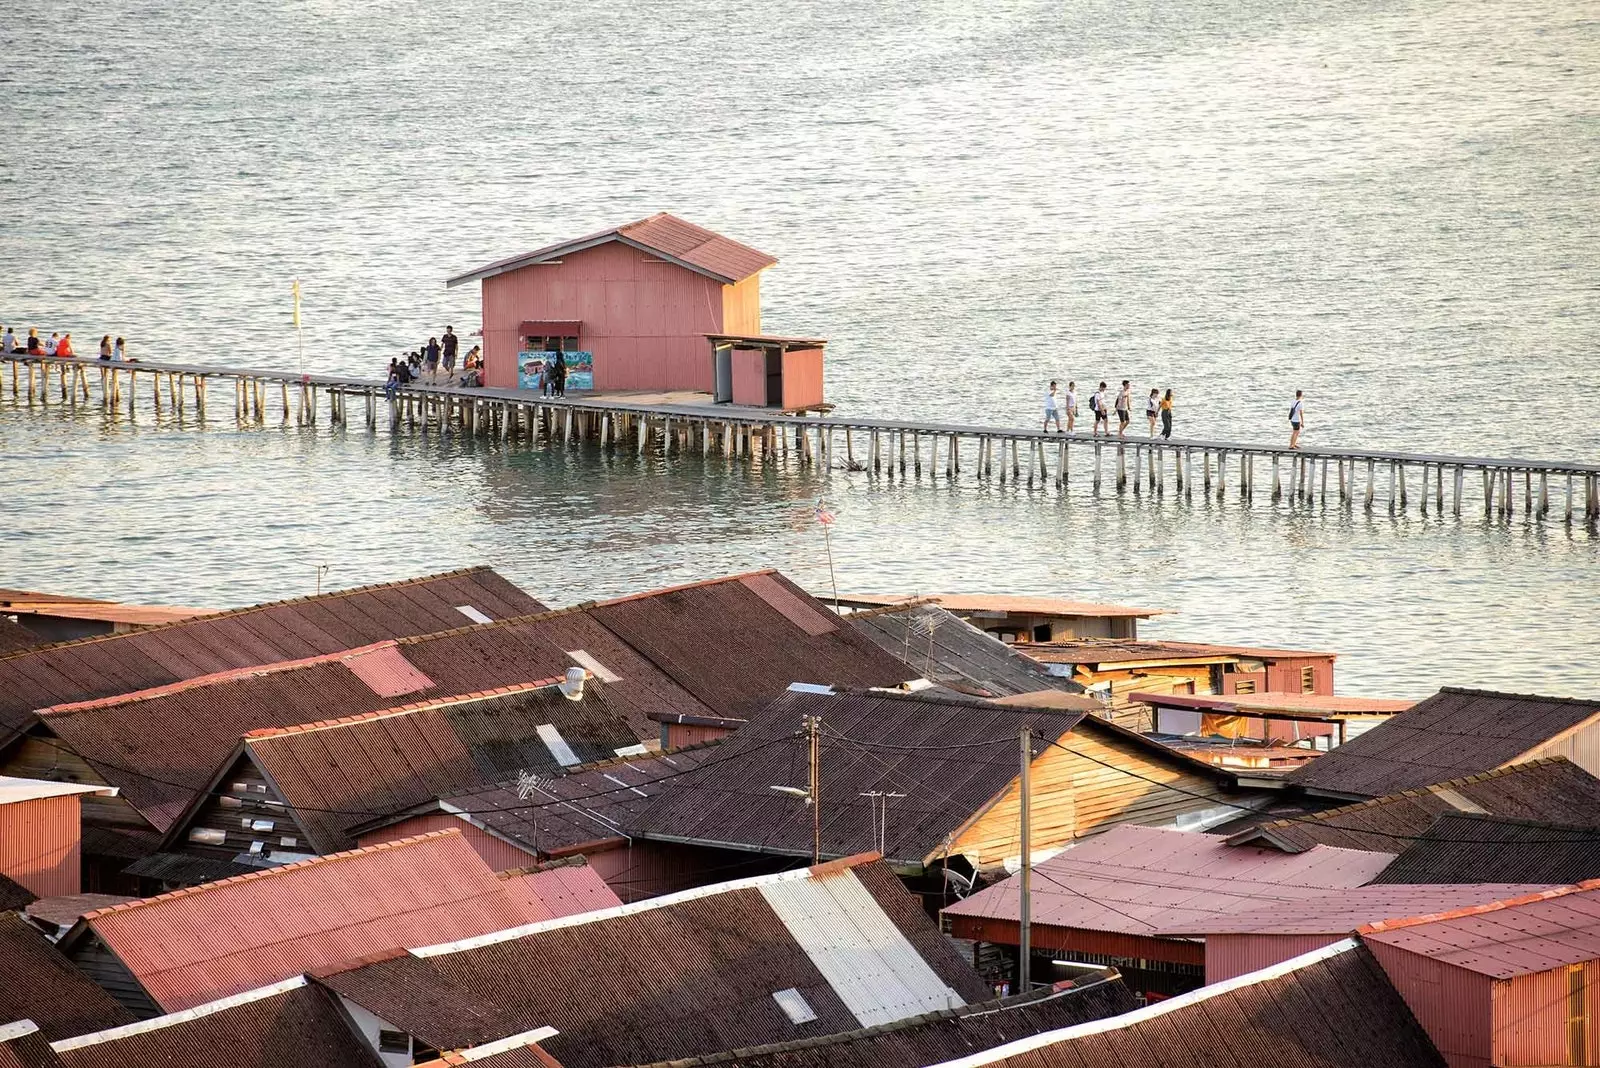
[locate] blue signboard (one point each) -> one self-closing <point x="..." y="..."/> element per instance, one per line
<point x="532" y="366"/>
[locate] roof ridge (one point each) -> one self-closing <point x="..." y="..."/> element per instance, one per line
<point x="1490" y="817"/>
<point x="156" y="1023"/>
<point x="686" y="586"/>
<point x="233" y="613"/>
<point x="216" y="678"/>
<point x="1474" y="692"/>
<point x="262" y="733"/>
<point x="509" y="621"/>
<point x="1415" y="791"/>
<point x="265" y="873"/>
<point x="1476" y="910"/>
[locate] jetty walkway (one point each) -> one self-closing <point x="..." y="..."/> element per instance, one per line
<point x="1345" y="478"/>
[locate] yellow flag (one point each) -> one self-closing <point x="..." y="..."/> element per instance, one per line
<point x="297" y="303"/>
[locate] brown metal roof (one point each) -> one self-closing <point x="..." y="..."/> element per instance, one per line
<point x="1453" y="733"/>
<point x="1551" y="788"/>
<point x="14" y="637"/>
<point x="664" y="235"/>
<point x="1332" y="1008"/>
<point x="1285" y="705"/>
<point x="1152" y="651"/>
<point x="944" y="648"/>
<point x="41" y="985"/>
<point x="1003" y="604"/>
<point x="23" y="1045"/>
<point x="1463" y="847"/>
<point x="13" y="895"/>
<point x="1505" y="938"/>
<point x="263" y="634"/>
<point x="290" y="1025"/>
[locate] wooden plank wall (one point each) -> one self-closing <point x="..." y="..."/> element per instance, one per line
<point x="99" y="963"/>
<point x="243" y="796"/>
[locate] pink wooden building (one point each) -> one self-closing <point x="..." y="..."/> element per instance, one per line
<point x="41" y="832"/>
<point x="655" y="305"/>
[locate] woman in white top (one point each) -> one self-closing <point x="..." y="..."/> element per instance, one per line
<point x="1072" y="405"/>
<point x="119" y="352"/>
<point x="1152" y="406"/>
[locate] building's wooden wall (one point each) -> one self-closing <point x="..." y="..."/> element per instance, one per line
<point x="39" y="845"/>
<point x="802" y="379"/>
<point x="244" y="795"/>
<point x="99" y="963"/>
<point x="1582" y="747"/>
<point x="50" y="759"/>
<point x="741" y="307"/>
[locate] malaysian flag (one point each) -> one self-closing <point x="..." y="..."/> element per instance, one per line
<point x="824" y="516"/>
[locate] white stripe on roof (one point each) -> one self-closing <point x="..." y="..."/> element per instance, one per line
<point x="1149" y="1012"/>
<point x="597" y="669"/>
<point x="12" y="1031"/>
<point x="869" y="962"/>
<point x="504" y="1045"/>
<point x="557" y="745"/>
<point x="156" y="1023"/>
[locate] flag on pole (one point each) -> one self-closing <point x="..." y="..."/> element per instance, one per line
<point x="296" y="290"/>
<point x="824" y="516"/>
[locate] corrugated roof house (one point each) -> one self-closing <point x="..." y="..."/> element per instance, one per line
<point x="37" y="983"/>
<point x="1331" y="1008"/>
<point x="191" y="946"/>
<point x="1454" y="733"/>
<point x="1549" y="788"/>
<point x="14" y="637"/>
<point x="1463" y="847"/>
<point x="798" y="954"/>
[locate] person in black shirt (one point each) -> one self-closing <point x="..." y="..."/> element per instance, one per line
<point x="448" y="345"/>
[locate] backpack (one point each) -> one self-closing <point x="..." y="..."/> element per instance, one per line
<point x="1094" y="403"/>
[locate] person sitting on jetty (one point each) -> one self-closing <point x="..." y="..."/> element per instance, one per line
<point x="119" y="352"/>
<point x="105" y="348"/>
<point x="391" y="382"/>
<point x="9" y="344"/>
<point x="64" y="347"/>
<point x="405" y="369"/>
<point x="35" y="347"/>
<point x="51" y="344"/>
<point x="472" y="368"/>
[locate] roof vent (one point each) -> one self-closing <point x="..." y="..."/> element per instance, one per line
<point x="572" y="688"/>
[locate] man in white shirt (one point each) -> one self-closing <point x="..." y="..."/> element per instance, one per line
<point x="50" y="345"/>
<point x="1297" y="418"/>
<point x="1102" y="416"/>
<point x="1072" y="405"/>
<point x="1052" y="409"/>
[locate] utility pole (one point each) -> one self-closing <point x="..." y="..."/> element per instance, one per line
<point x="814" y="726"/>
<point x="1024" y="911"/>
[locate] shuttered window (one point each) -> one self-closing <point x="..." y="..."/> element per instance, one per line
<point x="1308" y="680"/>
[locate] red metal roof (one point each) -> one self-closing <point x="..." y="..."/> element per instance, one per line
<point x="667" y="236"/>
<point x="1505" y="938"/>
<point x="217" y="939"/>
<point x="1347" y="911"/>
<point x="1152" y="650"/>
<point x="1143" y="880"/>
<point x="560" y="890"/>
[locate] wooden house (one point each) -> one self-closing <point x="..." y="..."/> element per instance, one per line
<point x="1013" y="618"/>
<point x="1314" y="720"/>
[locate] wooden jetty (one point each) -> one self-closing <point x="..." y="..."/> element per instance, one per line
<point x="1504" y="488"/>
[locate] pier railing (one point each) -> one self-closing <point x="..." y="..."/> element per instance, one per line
<point x="1503" y="487"/>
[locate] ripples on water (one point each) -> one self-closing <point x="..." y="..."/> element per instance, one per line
<point x="1392" y="206"/>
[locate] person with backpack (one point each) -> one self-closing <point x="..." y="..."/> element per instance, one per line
<point x="449" y="345"/>
<point x="1097" y="405"/>
<point x="1297" y="418"/>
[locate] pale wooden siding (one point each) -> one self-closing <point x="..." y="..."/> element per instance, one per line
<point x="741" y="307"/>
<point x="1582" y="747"/>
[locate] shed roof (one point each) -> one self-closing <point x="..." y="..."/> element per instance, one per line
<point x="292" y="1024"/>
<point x="1345" y="911"/>
<point x="673" y="239"/>
<point x="1550" y="788"/>
<point x="1141" y="880"/>
<point x="14" y="790"/>
<point x="112" y="664"/>
<point x="1002" y="604"/>
<point x="1464" y="847"/>
<point x="41" y="985"/>
<point x="944" y="648"/>
<point x="191" y="946"/>
<point x="1453" y="733"/>
<point x="922" y="1040"/>
<point x="1154" y="651"/>
<point x="683" y="974"/>
<point x="1287" y="705"/>
<point x="1332" y="1008"/>
<point x="1507" y="938"/>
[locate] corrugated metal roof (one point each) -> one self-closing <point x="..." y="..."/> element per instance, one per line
<point x="1145" y="880"/>
<point x="562" y="889"/>
<point x="1463" y="847"/>
<point x="666" y="235"/>
<point x="1314" y="705"/>
<point x="387" y="672"/>
<point x="268" y="633"/>
<point x="1141" y="650"/>
<point x="192" y="946"/>
<point x="1551" y="788"/>
<point x="680" y="975"/>
<point x="1505" y="938"/>
<point x="1004" y="604"/>
<point x="944" y="648"/>
<point x="1345" y="911"/>
<point x="13" y="895"/>
<point x="1331" y="1008"/>
<point x="14" y="790"/>
<point x="288" y="1025"/>
<point x="1456" y="732"/>
<point x="14" y="637"/>
<point x="41" y="985"/>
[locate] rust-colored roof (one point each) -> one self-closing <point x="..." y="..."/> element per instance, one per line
<point x="1502" y="939"/>
<point x="1344" y="912"/>
<point x="13" y="895"/>
<point x="1464" y="847"/>
<point x="14" y="637"/>
<point x="37" y="983"/>
<point x="23" y="1045"/>
<point x="1002" y="604"/>
<point x="559" y="889"/>
<point x="1331" y="1008"/>
<point x="1453" y="733"/>
<point x="64" y="910"/>
<point x="292" y="1024"/>
<point x="133" y="615"/>
<point x="191" y="946"/>
<point x="684" y="974"/>
<point x="1151" y="650"/>
<point x="1287" y="705"/>
<point x="1551" y="788"/>
<point x="112" y="664"/>
<point x="1141" y="880"/>
<point x="665" y="235"/>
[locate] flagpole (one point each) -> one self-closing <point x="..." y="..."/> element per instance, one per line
<point x="825" y="519"/>
<point x="299" y="334"/>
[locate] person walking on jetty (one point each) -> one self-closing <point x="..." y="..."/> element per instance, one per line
<point x="1297" y="418"/>
<point x="558" y="376"/>
<point x="119" y="351"/>
<point x="9" y="344"/>
<point x="1166" y="415"/>
<point x="430" y="359"/>
<point x="1072" y="405"/>
<point x="1052" y="408"/>
<point x="449" y="345"/>
<point x="105" y="348"/>
<point x="1152" y="406"/>
<point x="1097" y="407"/>
<point x="1124" y="409"/>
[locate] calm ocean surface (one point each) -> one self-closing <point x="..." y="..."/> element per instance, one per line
<point x="1393" y="206"/>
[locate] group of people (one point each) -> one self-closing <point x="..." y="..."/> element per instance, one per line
<point x="1158" y="407"/>
<point x="57" y="345"/>
<point x="436" y="354"/>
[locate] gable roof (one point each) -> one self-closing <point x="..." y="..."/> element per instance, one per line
<point x="946" y="649"/>
<point x="37" y="983"/>
<point x="1503" y="939"/>
<point x="14" y="637"/>
<point x="113" y="664"/>
<point x="191" y="946"/>
<point x="335" y="773"/>
<point x="673" y="239"/>
<point x="1464" y="847"/>
<point x="1550" y="788"/>
<point x="1333" y="1008"/>
<point x="683" y="974"/>
<point x="1112" y="651"/>
<point x="292" y="1024"/>
<point x="921" y="1040"/>
<point x="1453" y="733"/>
<point x="1139" y="880"/>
